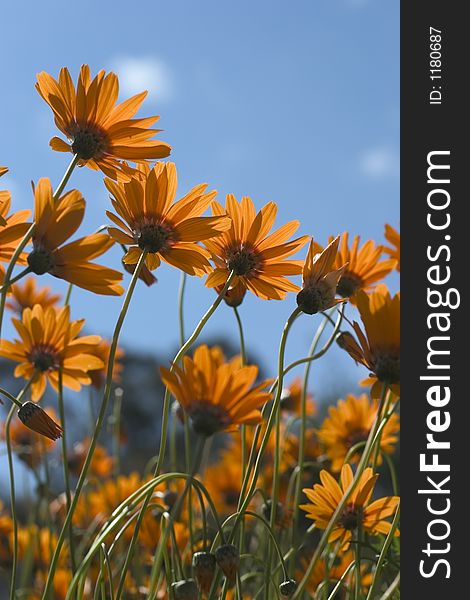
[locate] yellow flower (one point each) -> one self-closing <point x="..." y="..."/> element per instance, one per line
<point x="320" y="279"/>
<point x="55" y="223"/>
<point x="150" y="220"/>
<point x="28" y="294"/>
<point x="48" y="342"/>
<point x="100" y="132"/>
<point x="393" y="238"/>
<point x="215" y="394"/>
<point x="258" y="259"/>
<point x="349" y="423"/>
<point x="379" y="348"/>
<point x="359" y="512"/>
<point x="323" y="572"/>
<point x="102" y="351"/>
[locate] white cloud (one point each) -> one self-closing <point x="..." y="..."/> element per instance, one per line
<point x="378" y="163"/>
<point x="144" y="73"/>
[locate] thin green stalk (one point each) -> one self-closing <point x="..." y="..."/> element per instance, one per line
<point x="391" y="589"/>
<point x="17" y="401"/>
<point x="20" y="275"/>
<point x="68" y="493"/>
<point x="98" y="426"/>
<point x="383" y="554"/>
<point x="68" y="294"/>
<point x="364" y="461"/>
<point x="181" y="291"/>
<point x="118" y="394"/>
<point x="27" y="236"/>
<point x="357" y="569"/>
<point x="165" y="417"/>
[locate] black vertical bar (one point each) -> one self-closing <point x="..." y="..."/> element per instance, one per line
<point x="435" y="270"/>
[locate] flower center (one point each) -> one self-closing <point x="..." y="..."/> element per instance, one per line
<point x="243" y="260"/>
<point x="348" y="284"/>
<point x="208" y="418"/>
<point x="351" y="518"/>
<point x="315" y="298"/>
<point x="89" y="142"/>
<point x="355" y="437"/>
<point x="40" y="261"/>
<point x="387" y="369"/>
<point x="44" y="357"/>
<point x="154" y="237"/>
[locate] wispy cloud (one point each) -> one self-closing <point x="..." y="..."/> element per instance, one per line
<point x="379" y="163"/>
<point x="144" y="73"/>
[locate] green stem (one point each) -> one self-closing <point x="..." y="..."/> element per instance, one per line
<point x="164" y="427"/>
<point x="98" y="426"/>
<point x="68" y="493"/>
<point x="357" y="556"/>
<point x="20" y="275"/>
<point x="181" y="291"/>
<point x="68" y="294"/>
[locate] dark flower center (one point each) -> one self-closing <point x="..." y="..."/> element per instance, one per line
<point x="243" y="260"/>
<point x="289" y="401"/>
<point x="348" y="285"/>
<point x="352" y="517"/>
<point x="208" y="418"/>
<point x="315" y="298"/>
<point x="387" y="369"/>
<point x="154" y="237"/>
<point x="89" y="142"/>
<point x="40" y="261"/>
<point x="44" y="357"/>
<point x="355" y="437"/>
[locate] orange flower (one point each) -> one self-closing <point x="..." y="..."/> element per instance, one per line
<point x="4" y="195"/>
<point x="291" y="399"/>
<point x="100" y="133"/>
<point x="358" y="512"/>
<point x="258" y="259"/>
<point x="55" y="223"/>
<point x="215" y="394"/>
<point x="28" y="294"/>
<point x="101" y="463"/>
<point x="349" y="423"/>
<point x="393" y="237"/>
<point x="320" y="279"/>
<point x="379" y="348"/>
<point x="48" y="342"/>
<point x="364" y="267"/>
<point x="150" y="220"/>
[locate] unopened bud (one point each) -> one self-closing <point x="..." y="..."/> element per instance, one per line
<point x="204" y="564"/>
<point x="287" y="588"/>
<point x="228" y="559"/>
<point x="37" y="419"/>
<point x="186" y="589"/>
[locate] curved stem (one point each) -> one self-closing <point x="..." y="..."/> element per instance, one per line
<point x="98" y="426"/>
<point x="181" y="291"/>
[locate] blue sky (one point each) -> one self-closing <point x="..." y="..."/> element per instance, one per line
<point x="296" y="103"/>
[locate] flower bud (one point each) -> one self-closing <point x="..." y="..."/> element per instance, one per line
<point x="186" y="589"/>
<point x="204" y="564"/>
<point x="287" y="588"/>
<point x="37" y="419"/>
<point x="228" y="559"/>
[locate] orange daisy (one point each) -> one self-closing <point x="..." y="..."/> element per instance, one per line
<point x="359" y="511"/>
<point x="150" y="220"/>
<point x="101" y="464"/>
<point x="258" y="259"/>
<point x="349" y="423"/>
<point x="28" y="294"/>
<point x="102" y="350"/>
<point x="216" y="394"/>
<point x="291" y="399"/>
<point x="99" y="132"/>
<point x="393" y="238"/>
<point x="55" y="223"/>
<point x="320" y="279"/>
<point x="379" y="347"/>
<point x="48" y="342"/>
<point x="364" y="267"/>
